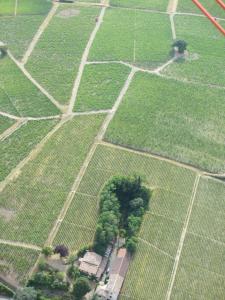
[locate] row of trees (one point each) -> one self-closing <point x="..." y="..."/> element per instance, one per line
<point x="123" y="202"/>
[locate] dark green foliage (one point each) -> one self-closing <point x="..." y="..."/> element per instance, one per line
<point x="47" y="251"/>
<point x="73" y="272"/>
<point x="4" y="291"/>
<point x="123" y="202"/>
<point x="27" y="293"/>
<point x="181" y="45"/>
<point x="83" y="250"/>
<point x="131" y="244"/>
<point x="81" y="288"/>
<point x="50" y="279"/>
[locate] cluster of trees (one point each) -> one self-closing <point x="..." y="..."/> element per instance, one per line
<point x="123" y="202"/>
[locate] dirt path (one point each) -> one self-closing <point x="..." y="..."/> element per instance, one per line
<point x="36" y="150"/>
<point x="28" y="75"/>
<point x="20" y="244"/>
<point x="172" y="6"/>
<point x="39" y="33"/>
<point x="176" y="163"/>
<point x="173" y="29"/>
<point x="12" y="129"/>
<point x="183" y="235"/>
<point x="9" y="115"/>
<point x="92" y="112"/>
<point x="15" y="10"/>
<point x="84" y="60"/>
<point x="88" y="158"/>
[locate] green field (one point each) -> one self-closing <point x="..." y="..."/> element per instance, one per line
<point x="56" y="58"/>
<point x="153" y="4"/>
<point x="19" y="96"/>
<point x="36" y="197"/>
<point x="100" y="86"/>
<point x="5" y="123"/>
<point x="16" y="262"/>
<point x="194" y="134"/>
<point x="125" y="36"/>
<point x="18" y="145"/>
<point x="164" y="124"/>
<point x="205" y="56"/>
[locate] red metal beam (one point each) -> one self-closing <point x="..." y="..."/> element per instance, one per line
<point x="221" y="3"/>
<point x="209" y="16"/>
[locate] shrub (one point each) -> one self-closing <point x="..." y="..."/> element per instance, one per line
<point x="181" y="46"/>
<point x="27" y="293"/>
<point x="73" y="272"/>
<point x="81" y="288"/>
<point x="47" y="251"/>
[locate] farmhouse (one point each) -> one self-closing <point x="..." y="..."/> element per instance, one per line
<point x="92" y="264"/>
<point x="118" y="271"/>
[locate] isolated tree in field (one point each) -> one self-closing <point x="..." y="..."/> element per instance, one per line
<point x="81" y="288"/>
<point x="27" y="293"/>
<point x="62" y="250"/>
<point x="181" y="45"/>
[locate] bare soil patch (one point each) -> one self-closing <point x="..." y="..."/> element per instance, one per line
<point x="68" y="13"/>
<point x="6" y="214"/>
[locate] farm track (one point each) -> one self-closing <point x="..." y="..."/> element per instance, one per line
<point x="156" y="248"/>
<point x="68" y="113"/>
<point x="43" y="90"/>
<point x="16" y="171"/>
<point x="20" y="244"/>
<point x="12" y="129"/>
<point x="89" y="156"/>
<point x="84" y="60"/>
<point x="183" y="235"/>
<point x="39" y="33"/>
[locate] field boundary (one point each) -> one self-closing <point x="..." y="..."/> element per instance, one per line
<point x="39" y="33"/>
<point x="20" y="245"/>
<point x="156" y="248"/>
<point x="183" y="235"/>
<point x="84" y="60"/>
<point x="12" y="129"/>
<point x="87" y="160"/>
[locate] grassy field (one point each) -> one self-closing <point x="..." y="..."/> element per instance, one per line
<point x="16" y="262"/>
<point x="100" y="86"/>
<point x="35" y="198"/>
<point x="7" y="7"/>
<point x="19" y="96"/>
<point x="33" y="7"/>
<point x="125" y="36"/>
<point x="5" y="123"/>
<point x="17" y="32"/>
<point x="206" y="52"/>
<point x="194" y="134"/>
<point x="153" y="4"/>
<point x="211" y="6"/>
<point x="18" y="145"/>
<point x="56" y="58"/>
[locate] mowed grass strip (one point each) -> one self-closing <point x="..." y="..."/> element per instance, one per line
<point x="145" y="4"/>
<point x="189" y="7"/>
<point x="16" y="262"/>
<point x="19" y="95"/>
<point x="56" y="58"/>
<point x="19" y="144"/>
<point x="5" y="123"/>
<point x="206" y="52"/>
<point x="133" y="36"/>
<point x="35" y="198"/>
<point x="149" y="119"/>
<point x="100" y="86"/>
<point x="17" y="32"/>
<point x="33" y="7"/>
